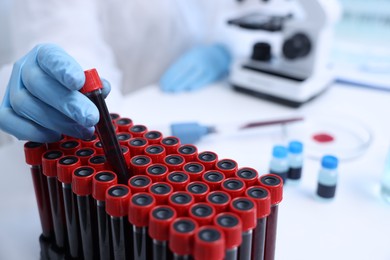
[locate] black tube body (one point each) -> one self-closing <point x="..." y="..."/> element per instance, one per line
<point x="258" y="245"/>
<point x="181" y="257"/>
<point x="270" y="233"/>
<point x="161" y="250"/>
<point x="231" y="254"/>
<point x="104" y="231"/>
<point x="142" y="243"/>
<point x="245" y="250"/>
<point x="122" y="245"/>
<point x="72" y="221"/>
<point x="107" y="135"/>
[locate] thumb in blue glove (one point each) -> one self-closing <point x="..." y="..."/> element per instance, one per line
<point x="42" y="101"/>
<point x="197" y="68"/>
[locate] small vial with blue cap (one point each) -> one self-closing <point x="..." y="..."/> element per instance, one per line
<point x="327" y="177"/>
<point x="295" y="160"/>
<point x="279" y="163"/>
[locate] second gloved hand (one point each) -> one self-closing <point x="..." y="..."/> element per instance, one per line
<point x="42" y="100"/>
<point x="197" y="68"/>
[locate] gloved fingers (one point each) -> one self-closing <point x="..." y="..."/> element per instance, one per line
<point x="175" y="72"/>
<point x="187" y="79"/>
<point x="202" y="80"/>
<point x="27" y="106"/>
<point x="59" y="65"/>
<point x="106" y="87"/>
<point x="41" y="85"/>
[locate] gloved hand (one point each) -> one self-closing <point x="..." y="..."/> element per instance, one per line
<point x="197" y="68"/>
<point x="42" y="99"/>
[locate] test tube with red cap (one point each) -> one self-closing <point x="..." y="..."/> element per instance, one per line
<point x="181" y="237"/>
<point x="100" y="183"/>
<point x="157" y="172"/>
<point x="231" y="225"/>
<point x="161" y="192"/>
<point x="181" y="201"/>
<point x="98" y="146"/>
<point x="99" y="162"/>
<point x="175" y="162"/>
<point x="84" y="154"/>
<point x="89" y="142"/>
<point x="153" y="137"/>
<point x="117" y="207"/>
<point x="209" y="243"/>
<point x="139" y="163"/>
<point x="137" y="145"/>
<point x="245" y="208"/>
<point x="49" y="169"/>
<point x="274" y="184"/>
<point x="234" y="186"/>
<point x="65" y="167"/>
<point x="123" y="138"/>
<point x="213" y="179"/>
<point x="227" y="166"/>
<point x="123" y="123"/>
<point x="220" y="200"/>
<point x="114" y="117"/>
<point x="188" y="151"/>
<point x="160" y="219"/>
<point x="178" y="180"/>
<point x="82" y="187"/>
<point x="262" y="198"/>
<point x="156" y="152"/>
<point x="208" y="159"/>
<point x="248" y="175"/>
<point x="195" y="170"/>
<point x="139" y="183"/>
<point x="105" y="129"/>
<point x="69" y="147"/>
<point x="33" y="155"/>
<point x="138" y="130"/>
<point x="199" y="190"/>
<point x="171" y="144"/>
<point x="141" y="204"/>
<point x="202" y="212"/>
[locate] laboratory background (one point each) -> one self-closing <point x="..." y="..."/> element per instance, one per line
<point x="226" y="129"/>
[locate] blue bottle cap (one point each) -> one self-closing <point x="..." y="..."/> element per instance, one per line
<point x="295" y="147"/>
<point x="329" y="162"/>
<point x="279" y="151"/>
<point x="189" y="133"/>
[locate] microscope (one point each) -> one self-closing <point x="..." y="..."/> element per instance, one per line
<point x="300" y="71"/>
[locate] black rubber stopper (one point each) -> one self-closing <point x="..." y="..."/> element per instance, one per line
<point x="123" y="136"/>
<point x="246" y="173"/>
<point x="243" y="204"/>
<point x="233" y="184"/>
<point x="194" y="167"/>
<point x="157" y="169"/>
<point x="173" y="159"/>
<point x="152" y="135"/>
<point x="177" y="177"/>
<point x="202" y="210"/>
<point x="137" y="141"/>
<point x="104" y="176"/>
<point x="84" y="152"/>
<point x="187" y="149"/>
<point x="207" y="156"/>
<point x="270" y="180"/>
<point x="118" y="191"/>
<point x="68" y="160"/>
<point x="162" y="213"/>
<point x="98" y="159"/>
<point x="213" y="176"/>
<point x="209" y="235"/>
<point x="53" y="155"/>
<point x="69" y="144"/>
<point x="218" y="198"/>
<point x="197" y="188"/>
<point x="184" y="226"/>
<point x="257" y="192"/>
<point x="142" y="199"/>
<point x="84" y="171"/>
<point x="138" y="128"/>
<point x="170" y="141"/>
<point x="154" y="149"/>
<point x="227" y="221"/>
<point x="140" y="181"/>
<point x="140" y="160"/>
<point x="226" y="164"/>
<point x="160" y="188"/>
<point x="181" y="198"/>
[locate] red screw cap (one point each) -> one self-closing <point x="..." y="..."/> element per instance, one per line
<point x="92" y="81"/>
<point x="199" y="190"/>
<point x="208" y="159"/>
<point x="138" y="130"/>
<point x="123" y="123"/>
<point x="234" y="186"/>
<point x="220" y="200"/>
<point x="248" y="175"/>
<point x="188" y="151"/>
<point x="227" y="166"/>
<point x="156" y="152"/>
<point x="245" y="208"/>
<point x="89" y="142"/>
<point x="160" y="219"/>
<point x="209" y="243"/>
<point x="123" y="138"/>
<point x="161" y="192"/>
<point x="137" y="145"/>
<point x="181" y="201"/>
<point x="69" y="147"/>
<point x="98" y="146"/>
<point x="82" y="180"/>
<point x="99" y="162"/>
<point x="153" y="137"/>
<point x="139" y="208"/>
<point x="33" y="152"/>
<point x="101" y="182"/>
<point x="195" y="170"/>
<point x="262" y="197"/>
<point x="175" y="162"/>
<point x="157" y="172"/>
<point x="139" y="164"/>
<point x="117" y="200"/>
<point x="202" y="212"/>
<point x="171" y="144"/>
<point x="181" y="236"/>
<point x="139" y="183"/>
<point x="214" y="179"/>
<point x="231" y="226"/>
<point x="274" y="184"/>
<point x="114" y="116"/>
<point x="84" y="154"/>
<point x="65" y="168"/>
<point x="178" y="180"/>
<point x="49" y="162"/>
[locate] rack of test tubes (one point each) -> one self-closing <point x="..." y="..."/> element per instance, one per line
<point x="166" y="201"/>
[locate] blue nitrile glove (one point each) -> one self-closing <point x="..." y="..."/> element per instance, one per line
<point x="197" y="68"/>
<point x="42" y="101"/>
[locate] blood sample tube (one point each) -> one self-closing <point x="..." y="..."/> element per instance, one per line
<point x="98" y="146"/>
<point x="33" y="155"/>
<point x="227" y="166"/>
<point x="123" y="138"/>
<point x="65" y="167"/>
<point x="209" y="243"/>
<point x="138" y="130"/>
<point x="139" y="163"/>
<point x="139" y="183"/>
<point x="126" y="155"/>
<point x="105" y="129"/>
<point x="171" y="144"/>
<point x="175" y="162"/>
<point x="181" y="237"/>
<point x="98" y="162"/>
<point x="100" y="183"/>
<point x="161" y="192"/>
<point x="231" y="226"/>
<point x="69" y="147"/>
<point x="114" y="117"/>
<point x="49" y="169"/>
<point x="153" y="137"/>
<point x="220" y="200"/>
<point x="199" y="190"/>
<point x="202" y="212"/>
<point x="117" y="206"/>
<point x="178" y="180"/>
<point x="137" y="145"/>
<point x="160" y="219"/>
<point x="245" y="208"/>
<point x="89" y="142"/>
<point x="262" y="198"/>
<point x="194" y="169"/>
<point x="248" y="175"/>
<point x="82" y="187"/>
<point x="139" y="208"/>
<point x="181" y="201"/>
<point x="208" y="159"/>
<point x="234" y="186"/>
<point x="156" y="152"/>
<point x="188" y="151"/>
<point x="157" y="172"/>
<point x="124" y="124"/>
<point x="84" y="154"/>
<point x="214" y="179"/>
<point x="274" y="184"/>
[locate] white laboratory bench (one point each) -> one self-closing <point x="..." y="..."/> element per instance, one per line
<point x="355" y="225"/>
